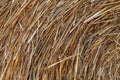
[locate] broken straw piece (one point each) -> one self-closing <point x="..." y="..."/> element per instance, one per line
<point x="60" y="3"/>
<point x="94" y="16"/>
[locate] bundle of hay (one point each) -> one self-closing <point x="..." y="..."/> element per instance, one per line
<point x="59" y="39"/>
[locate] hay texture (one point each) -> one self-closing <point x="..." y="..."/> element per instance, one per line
<point x="59" y="39"/>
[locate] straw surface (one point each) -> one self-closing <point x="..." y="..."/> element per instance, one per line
<point x="59" y="39"/>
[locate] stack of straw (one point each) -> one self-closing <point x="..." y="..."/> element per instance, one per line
<point x="59" y="39"/>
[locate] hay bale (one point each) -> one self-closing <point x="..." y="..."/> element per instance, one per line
<point x="59" y="39"/>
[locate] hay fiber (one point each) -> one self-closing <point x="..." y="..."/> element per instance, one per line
<point x="59" y="39"/>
